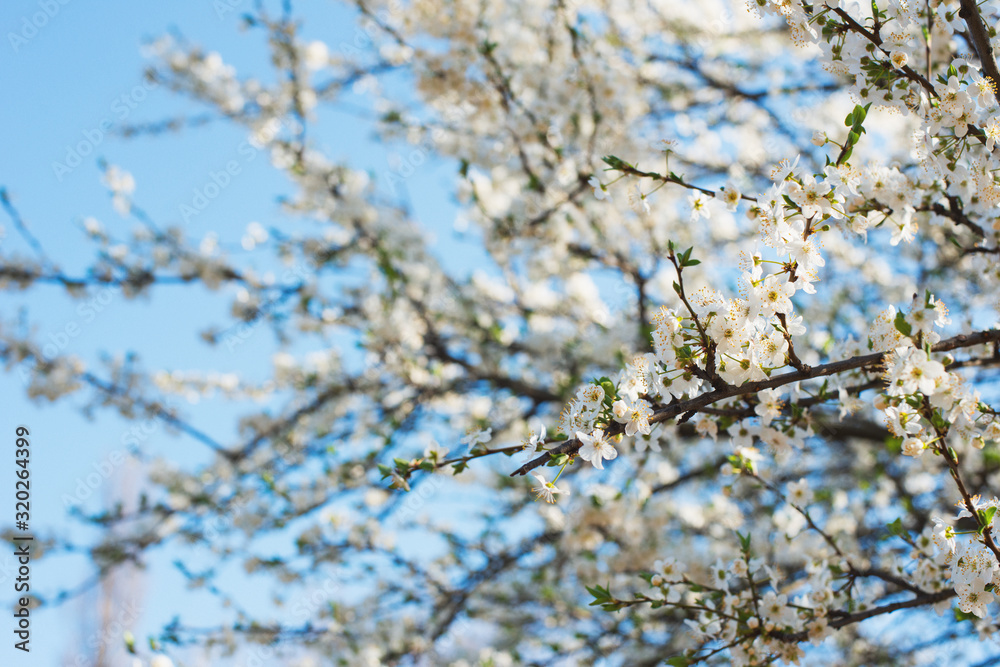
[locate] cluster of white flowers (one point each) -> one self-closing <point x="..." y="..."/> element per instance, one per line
<point x="745" y="339"/>
<point x="525" y="97"/>
<point x="971" y="564"/>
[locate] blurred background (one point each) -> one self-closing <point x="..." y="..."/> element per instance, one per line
<point x="73" y="77"/>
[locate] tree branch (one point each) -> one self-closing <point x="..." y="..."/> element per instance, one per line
<point x="694" y="404"/>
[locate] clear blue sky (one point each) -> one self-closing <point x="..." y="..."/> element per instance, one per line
<point x="66" y="70"/>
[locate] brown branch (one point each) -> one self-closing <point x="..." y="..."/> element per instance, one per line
<point x="694" y="404"/>
<point x="957" y="215"/>
<point x="980" y="39"/>
<point x="876" y="39"/>
<point x="849" y="619"/>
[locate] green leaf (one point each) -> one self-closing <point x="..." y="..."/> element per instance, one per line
<point x="609" y="389"/>
<point x="986" y="517"/>
<point x="614" y="162"/>
<point x="902" y="326"/>
<point x="896" y="527"/>
<point x="964" y="616"/>
<point x="557" y="461"/>
<point x="601" y="595"/>
<point x="849" y="121"/>
<point x="392" y="117"/>
<point x="679" y="661"/>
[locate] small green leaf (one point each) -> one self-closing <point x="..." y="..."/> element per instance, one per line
<point x="557" y="461"/>
<point x="614" y="162"/>
<point x="902" y="326"/>
<point x="964" y="616"/>
<point x="864" y="112"/>
<point x="609" y="388"/>
<point x="602" y="595"/>
<point x="986" y="518"/>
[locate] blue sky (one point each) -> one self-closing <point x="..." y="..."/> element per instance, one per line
<point x="70" y="71"/>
